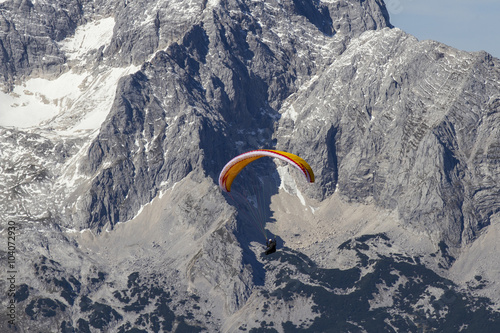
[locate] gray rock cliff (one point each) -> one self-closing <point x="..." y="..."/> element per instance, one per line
<point x="120" y="224"/>
<point x="413" y="139"/>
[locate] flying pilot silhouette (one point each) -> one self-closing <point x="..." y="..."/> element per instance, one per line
<point x="271" y="246"/>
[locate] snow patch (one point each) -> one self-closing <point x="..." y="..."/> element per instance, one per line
<point x="98" y="99"/>
<point x="70" y="104"/>
<point x="291" y="113"/>
<point x="38" y="100"/>
<point x="213" y="3"/>
<point x="89" y="37"/>
<point x="288" y="184"/>
<point x="301" y="197"/>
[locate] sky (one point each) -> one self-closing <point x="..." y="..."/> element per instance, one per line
<point x="470" y="25"/>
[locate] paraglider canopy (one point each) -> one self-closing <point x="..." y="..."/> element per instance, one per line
<point x="234" y="166"/>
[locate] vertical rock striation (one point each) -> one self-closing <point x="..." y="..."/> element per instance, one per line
<point x="123" y="227"/>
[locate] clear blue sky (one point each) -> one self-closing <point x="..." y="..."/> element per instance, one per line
<point x="470" y="25"/>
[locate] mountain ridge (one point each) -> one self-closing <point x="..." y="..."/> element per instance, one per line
<point x="124" y="229"/>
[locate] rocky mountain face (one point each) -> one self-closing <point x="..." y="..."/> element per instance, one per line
<point x="116" y="118"/>
<point x="419" y="138"/>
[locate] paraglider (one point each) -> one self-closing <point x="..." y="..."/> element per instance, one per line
<point x="234" y="166"/>
<point x="238" y="163"/>
<point x="271" y="246"/>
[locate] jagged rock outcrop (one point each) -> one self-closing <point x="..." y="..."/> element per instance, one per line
<point x="114" y="194"/>
<point x="29" y="34"/>
<point x="227" y="77"/>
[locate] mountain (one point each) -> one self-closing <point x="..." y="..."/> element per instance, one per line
<point x="116" y="118"/>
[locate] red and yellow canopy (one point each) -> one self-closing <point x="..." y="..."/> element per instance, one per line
<point x="234" y="166"/>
